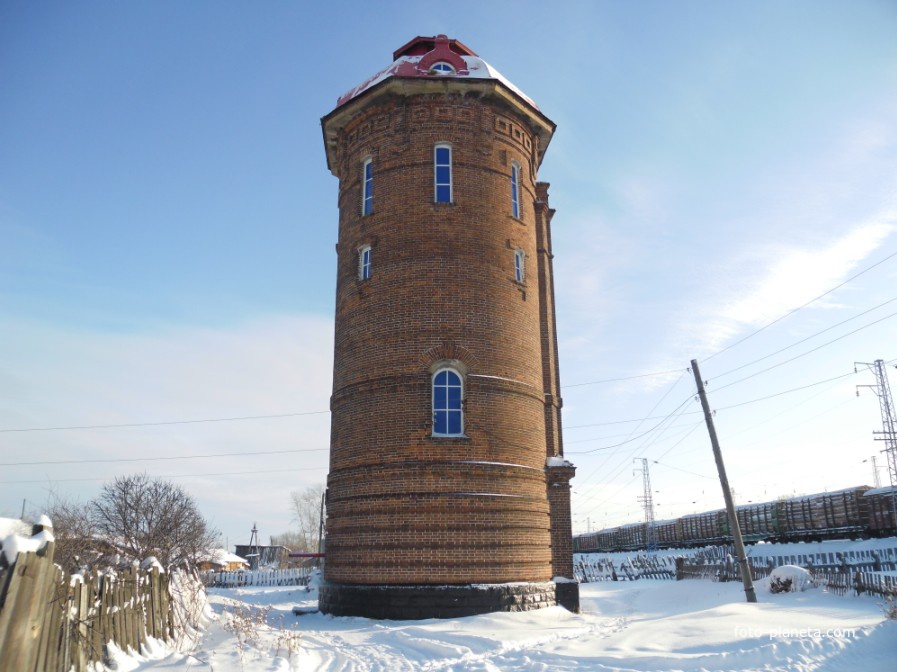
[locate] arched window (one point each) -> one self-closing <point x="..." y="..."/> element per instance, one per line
<point x="442" y="173"/>
<point x="364" y="262"/>
<point x="448" y="392"/>
<point x="367" y="190"/>
<point x="442" y="68"/>
<point x="515" y="189"/>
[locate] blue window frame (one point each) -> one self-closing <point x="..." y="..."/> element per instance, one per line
<point x="364" y="262"/>
<point x="367" y="192"/>
<point x="515" y="189"/>
<point x="442" y="173"/>
<point x="448" y="415"/>
<point x="442" y="68"/>
<point x="519" y="265"/>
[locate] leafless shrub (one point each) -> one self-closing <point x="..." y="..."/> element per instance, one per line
<point x="150" y="517"/>
<point x="77" y="547"/>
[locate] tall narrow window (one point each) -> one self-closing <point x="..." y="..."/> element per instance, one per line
<point x="367" y="191"/>
<point x="515" y="189"/>
<point x="519" y="265"/>
<point x="448" y="391"/>
<point x="364" y="262"/>
<point x="442" y="173"/>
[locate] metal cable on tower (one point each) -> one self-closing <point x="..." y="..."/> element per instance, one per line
<point x="888" y="434"/>
<point x="647" y="501"/>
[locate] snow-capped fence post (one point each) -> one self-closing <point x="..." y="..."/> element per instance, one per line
<point x="53" y="622"/>
<point x="25" y="591"/>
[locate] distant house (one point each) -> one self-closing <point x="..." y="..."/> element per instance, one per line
<point x="220" y="560"/>
<point x="265" y="557"/>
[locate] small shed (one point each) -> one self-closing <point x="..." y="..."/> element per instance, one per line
<point x="220" y="560"/>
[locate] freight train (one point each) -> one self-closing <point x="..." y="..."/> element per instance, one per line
<point x="853" y="513"/>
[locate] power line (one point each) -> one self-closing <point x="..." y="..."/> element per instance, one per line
<point x="611" y="436"/>
<point x="616" y="422"/>
<point x="223" y="473"/>
<point x="634" y="438"/>
<point x="804" y="354"/>
<point x="160" y="459"/>
<point x="794" y="310"/>
<point x="804" y="340"/>
<point x="675" y="413"/>
<point x="684" y="471"/>
<point x="168" y="422"/>
<point x="779" y="394"/>
<point x="616" y="380"/>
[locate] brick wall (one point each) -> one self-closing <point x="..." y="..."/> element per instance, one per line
<point x="405" y="507"/>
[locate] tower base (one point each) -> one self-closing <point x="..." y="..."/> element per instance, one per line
<point x="425" y="601"/>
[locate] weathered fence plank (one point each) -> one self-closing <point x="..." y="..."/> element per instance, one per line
<point x="51" y="622"/>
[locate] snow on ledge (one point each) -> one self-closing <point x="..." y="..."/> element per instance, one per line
<point x="557" y="461"/>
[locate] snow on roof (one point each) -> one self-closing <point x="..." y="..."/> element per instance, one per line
<point x="412" y="60"/>
<point x="221" y="556"/>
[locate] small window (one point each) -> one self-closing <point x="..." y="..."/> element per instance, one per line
<point x="364" y="262"/>
<point x="442" y="68"/>
<point x="367" y="191"/>
<point x="515" y="189"/>
<point x="442" y="173"/>
<point x="519" y="265"/>
<point x="448" y="389"/>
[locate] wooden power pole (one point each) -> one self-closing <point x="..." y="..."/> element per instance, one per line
<point x="746" y="578"/>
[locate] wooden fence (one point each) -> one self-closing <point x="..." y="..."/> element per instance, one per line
<point x="297" y="576"/>
<point x="591" y="568"/>
<point x="52" y="622"/>
<point x="868" y="583"/>
<point x="838" y="579"/>
<point x="728" y="570"/>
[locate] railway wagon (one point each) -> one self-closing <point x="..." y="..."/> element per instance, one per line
<point x="709" y="527"/>
<point x="758" y="521"/>
<point x="631" y="537"/>
<point x="880" y="511"/>
<point x="824" y="515"/>
<point x="609" y="539"/>
<point x="667" y="533"/>
<point x="586" y="543"/>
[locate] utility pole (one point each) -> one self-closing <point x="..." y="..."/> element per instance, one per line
<point x="742" y="560"/>
<point x="888" y="422"/>
<point x="648" y="503"/>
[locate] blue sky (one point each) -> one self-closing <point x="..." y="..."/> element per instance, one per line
<point x="168" y="220"/>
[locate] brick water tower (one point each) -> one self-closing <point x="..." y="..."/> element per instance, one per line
<point x="448" y="493"/>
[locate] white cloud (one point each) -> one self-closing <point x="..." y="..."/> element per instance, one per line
<point x="787" y="278"/>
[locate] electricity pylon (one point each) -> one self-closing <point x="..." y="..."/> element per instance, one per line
<point x="888" y="434"/>
<point x="647" y="501"/>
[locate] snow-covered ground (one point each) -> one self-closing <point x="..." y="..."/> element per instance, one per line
<point x="641" y="626"/>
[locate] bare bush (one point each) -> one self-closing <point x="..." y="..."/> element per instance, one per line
<point x="77" y="547"/>
<point x="146" y="517"/>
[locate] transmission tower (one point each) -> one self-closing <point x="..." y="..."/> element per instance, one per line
<point x="888" y="434"/>
<point x="876" y="479"/>
<point x="647" y="501"/>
